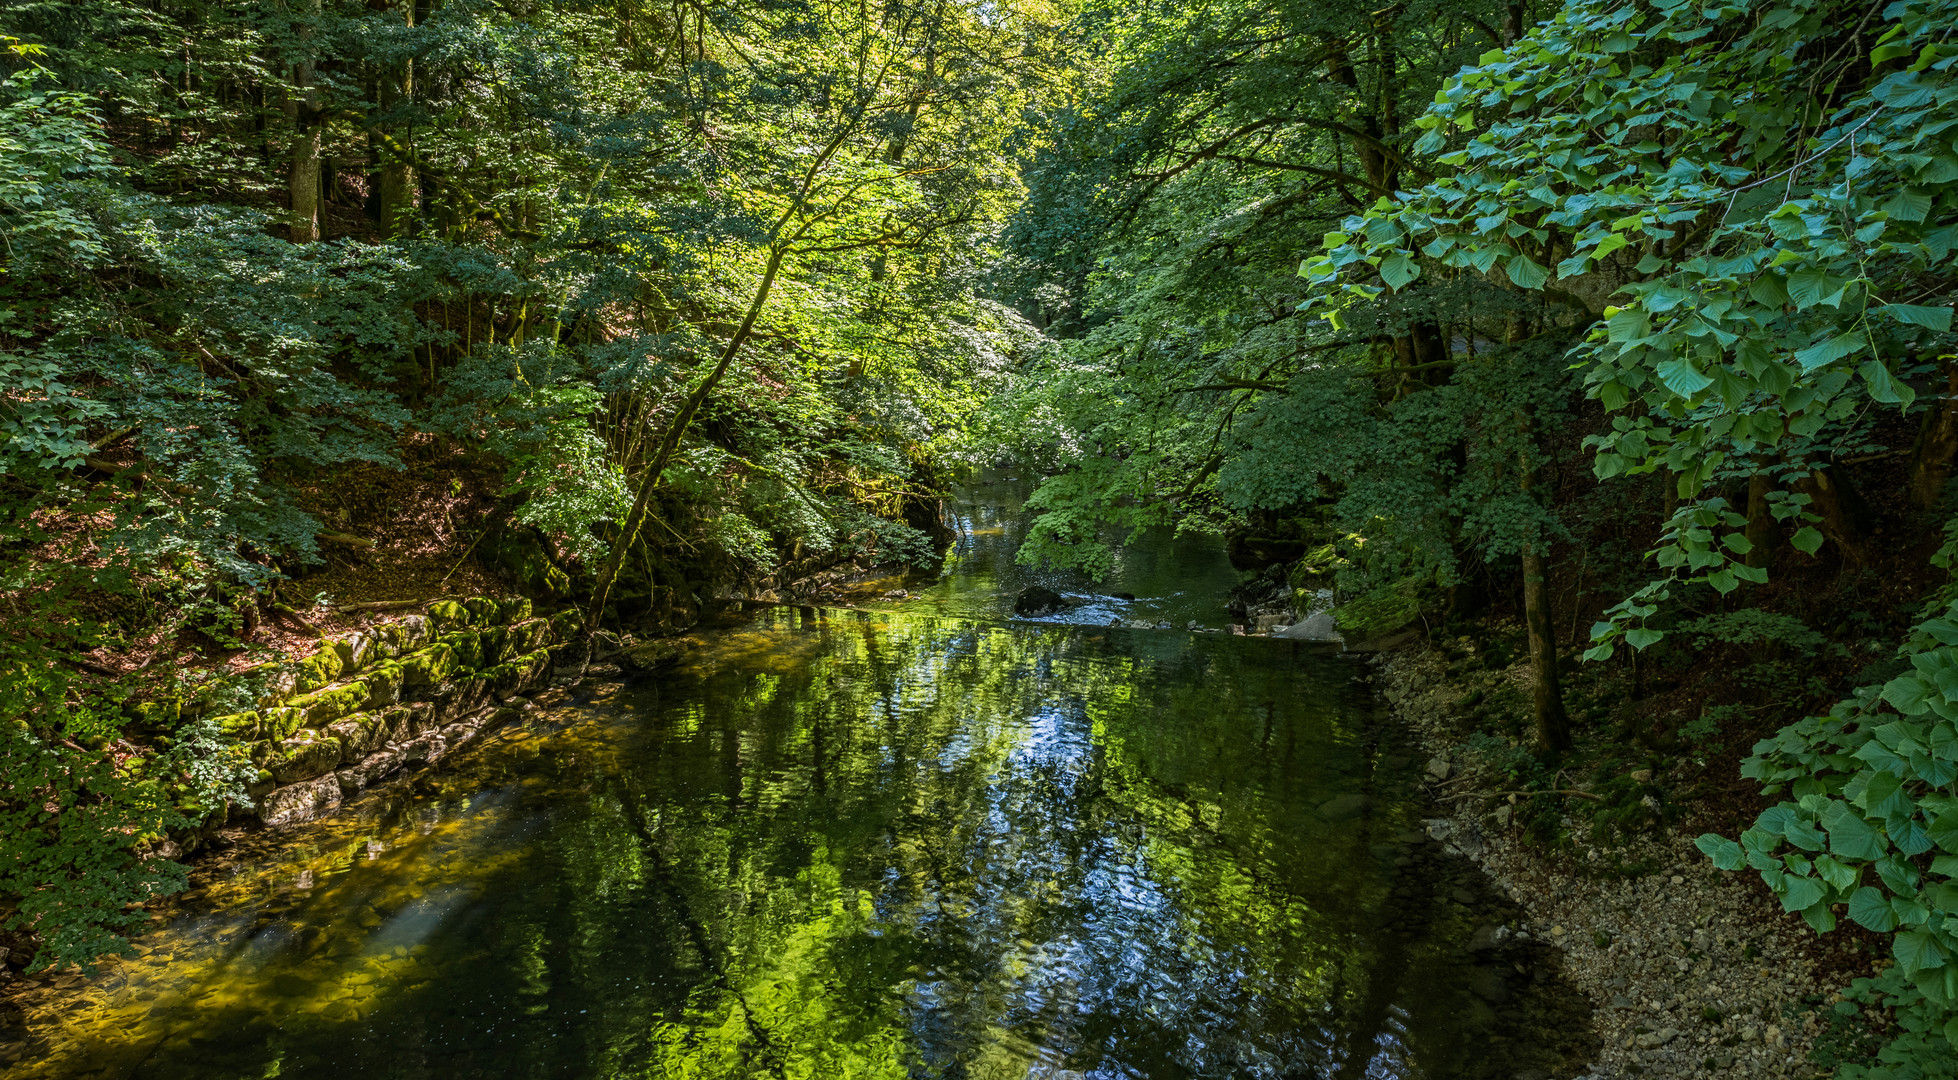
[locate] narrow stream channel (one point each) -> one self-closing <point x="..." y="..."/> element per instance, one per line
<point x="917" y="842"/>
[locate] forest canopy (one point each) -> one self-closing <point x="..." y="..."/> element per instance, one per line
<point x="1629" y="322"/>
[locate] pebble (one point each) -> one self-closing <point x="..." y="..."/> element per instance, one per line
<point x="1665" y="960"/>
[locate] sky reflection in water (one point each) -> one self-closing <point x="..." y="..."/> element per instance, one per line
<point x="889" y="844"/>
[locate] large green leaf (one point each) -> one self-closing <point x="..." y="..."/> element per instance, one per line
<point x="1916" y="951"/>
<point x="1725" y="853"/>
<point x="1943" y="831"/>
<point x="1828" y="352"/>
<point x="1850" y="836"/>
<point x="1798" y="893"/>
<point x="1397" y="270"/>
<point x="1526" y="272"/>
<point x="1871" y="909"/>
<point x="1681" y="377"/>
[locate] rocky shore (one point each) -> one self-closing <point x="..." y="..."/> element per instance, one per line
<point x="1690" y="973"/>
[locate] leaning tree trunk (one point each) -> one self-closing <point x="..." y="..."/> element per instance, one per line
<point x="649" y="480"/>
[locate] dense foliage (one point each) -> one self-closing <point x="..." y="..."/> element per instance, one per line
<point x="722" y="259"/>
<point x="1712" y="242"/>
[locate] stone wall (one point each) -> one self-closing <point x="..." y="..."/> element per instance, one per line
<point x="397" y="695"/>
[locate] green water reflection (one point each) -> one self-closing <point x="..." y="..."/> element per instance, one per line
<point x="846" y="845"/>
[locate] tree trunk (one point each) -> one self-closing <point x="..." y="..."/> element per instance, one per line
<point x="1547" y="692"/>
<point x="1937" y="448"/>
<point x="636" y="517"/>
<point x="303" y="179"/>
<point x="1841" y="509"/>
<point x="394" y="186"/>
<point x="1547" y="695"/>
<point x="1761" y="532"/>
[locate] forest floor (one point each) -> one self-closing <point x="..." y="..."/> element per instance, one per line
<point x="1692" y="971"/>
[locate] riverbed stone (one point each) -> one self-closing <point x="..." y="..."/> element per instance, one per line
<point x="300" y="802"/>
<point x="1319" y="627"/>
<point x="1036" y="602"/>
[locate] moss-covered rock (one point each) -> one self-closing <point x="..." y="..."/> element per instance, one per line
<point x="567" y="624"/>
<point x="322" y="707"/>
<point x="482" y="609"/>
<point x="493" y="638"/>
<point x="280" y="721"/>
<point x="307" y="754"/>
<point x="515" y="609"/>
<point x="365" y="732"/>
<point x="427" y="667"/>
<point x="445" y="615"/>
<point x="354" y="650"/>
<point x="384" y="681"/>
<point x="526" y="637"/>
<point x="276" y="681"/>
<point x="316" y="671"/>
<point x="415" y="632"/>
<point x="467" y="646"/>
<point x="239" y="727"/>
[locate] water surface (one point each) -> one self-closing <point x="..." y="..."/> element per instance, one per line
<point x="860" y="844"/>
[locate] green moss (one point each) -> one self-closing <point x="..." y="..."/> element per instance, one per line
<point x="444" y="614"/>
<point x="482" y="609"/>
<point x="567" y="624"/>
<point x="279" y="722"/>
<point x="316" y="671"/>
<point x="429" y="666"/>
<point x="384" y="681"/>
<point x="467" y="645"/>
<point x="322" y="707"/>
<point x="161" y="714"/>
<point x="239" y="727"/>
<point x="515" y="609"/>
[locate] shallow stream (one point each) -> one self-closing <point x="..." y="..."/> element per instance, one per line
<point x="916" y="842"/>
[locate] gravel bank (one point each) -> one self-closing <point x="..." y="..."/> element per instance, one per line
<point x="1691" y="974"/>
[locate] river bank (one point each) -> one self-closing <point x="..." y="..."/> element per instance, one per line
<point x="1692" y="971"/>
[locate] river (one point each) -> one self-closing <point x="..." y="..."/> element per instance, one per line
<point x="916" y="839"/>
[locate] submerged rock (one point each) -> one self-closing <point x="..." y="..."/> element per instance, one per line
<point x="1320" y="627"/>
<point x="1035" y="602"/>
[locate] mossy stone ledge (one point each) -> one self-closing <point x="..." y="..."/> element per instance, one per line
<point x="369" y="704"/>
